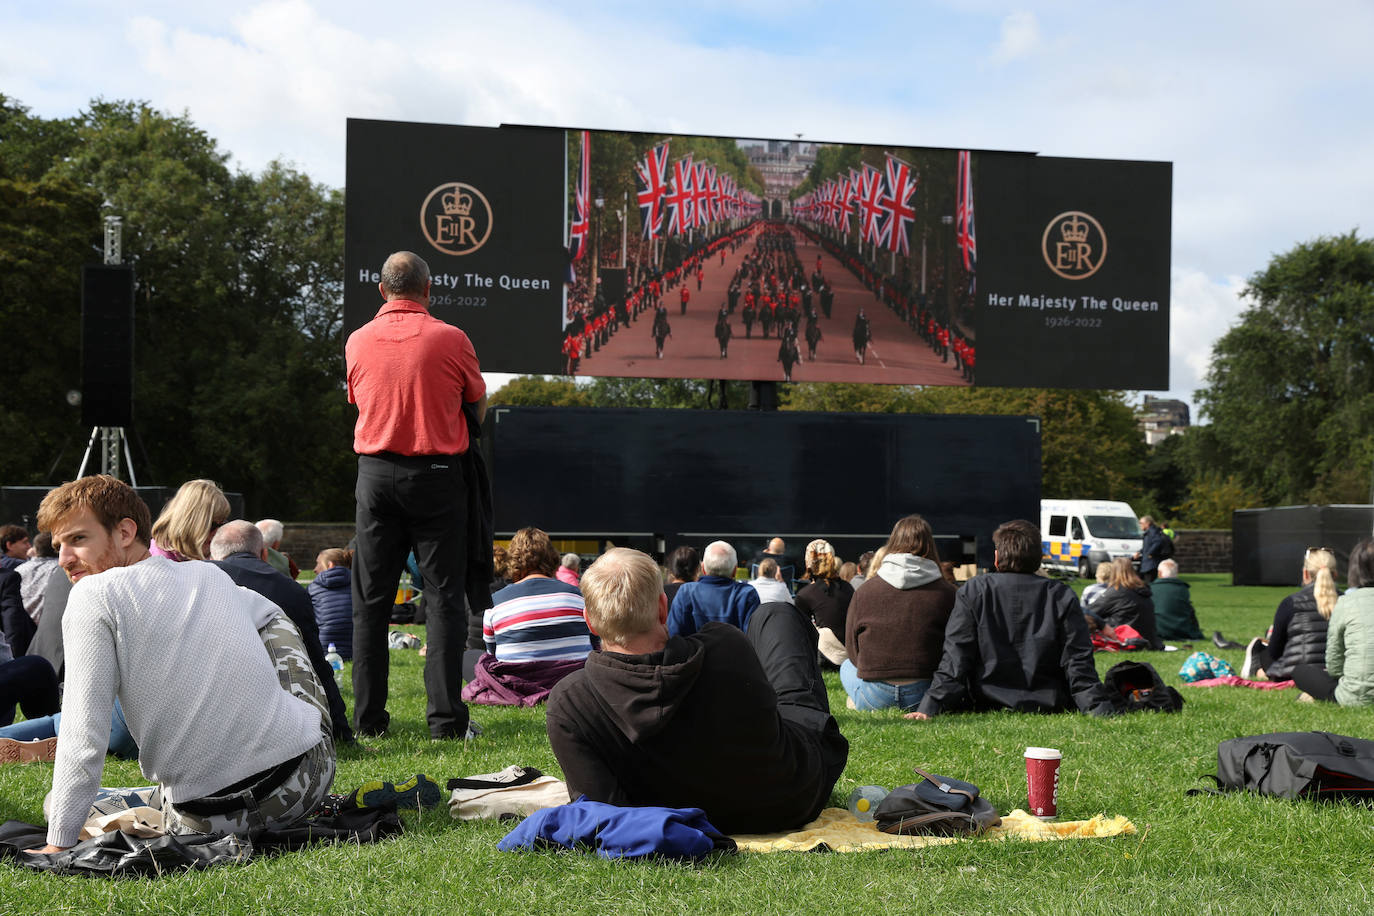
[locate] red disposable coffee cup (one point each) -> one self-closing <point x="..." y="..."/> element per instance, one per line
<point x="1042" y="781"/>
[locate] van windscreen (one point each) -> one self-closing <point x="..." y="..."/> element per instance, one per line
<point x="1112" y="526"/>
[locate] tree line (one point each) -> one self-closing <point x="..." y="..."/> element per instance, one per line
<point x="238" y="307"/>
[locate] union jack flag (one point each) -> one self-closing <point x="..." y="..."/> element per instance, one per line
<point x="717" y="195"/>
<point x="727" y="197"/>
<point x="896" y="204"/>
<point x="582" y="211"/>
<point x="701" y="194"/>
<point x="679" y="197"/>
<point x="652" y="176"/>
<point x="843" y="194"/>
<point x="963" y="220"/>
<point x="870" y="209"/>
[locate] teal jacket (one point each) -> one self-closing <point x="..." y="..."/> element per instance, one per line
<point x="1350" y="647"/>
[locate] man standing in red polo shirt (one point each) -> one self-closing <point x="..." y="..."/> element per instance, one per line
<point x="410" y="375"/>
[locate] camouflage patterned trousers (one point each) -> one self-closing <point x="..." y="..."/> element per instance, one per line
<point x="295" y="798"/>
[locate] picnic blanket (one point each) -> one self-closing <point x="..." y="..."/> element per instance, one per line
<point x="1231" y="680"/>
<point x="126" y="855"/>
<point x="839" y="831"/>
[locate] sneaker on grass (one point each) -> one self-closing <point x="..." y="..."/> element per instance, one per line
<point x="1251" y="666"/>
<point x="417" y="792"/>
<point x="41" y="750"/>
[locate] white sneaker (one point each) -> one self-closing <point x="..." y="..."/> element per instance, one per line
<point x="1248" y="669"/>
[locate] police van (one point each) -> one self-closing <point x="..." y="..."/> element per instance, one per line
<point x="1077" y="534"/>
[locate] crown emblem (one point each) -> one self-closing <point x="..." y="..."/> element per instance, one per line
<point x="456" y="203"/>
<point x="1074" y="229"/>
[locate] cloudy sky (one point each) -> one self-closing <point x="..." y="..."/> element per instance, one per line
<point x="1263" y="107"/>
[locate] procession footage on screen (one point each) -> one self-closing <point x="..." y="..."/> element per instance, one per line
<point x="596" y="253"/>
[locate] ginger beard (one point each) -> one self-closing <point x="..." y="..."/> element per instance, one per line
<point x="87" y="548"/>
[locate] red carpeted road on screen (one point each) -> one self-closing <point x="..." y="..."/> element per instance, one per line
<point x="896" y="354"/>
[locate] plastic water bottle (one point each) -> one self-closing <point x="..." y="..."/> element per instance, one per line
<point x="864" y="800"/>
<point x="336" y="662"/>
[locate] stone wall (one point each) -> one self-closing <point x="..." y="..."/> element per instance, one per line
<point x="304" y="540"/>
<point x="1202" y="550"/>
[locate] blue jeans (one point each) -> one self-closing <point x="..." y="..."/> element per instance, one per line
<point x="121" y="742"/>
<point x="869" y="695"/>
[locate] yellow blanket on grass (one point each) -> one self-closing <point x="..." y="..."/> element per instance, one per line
<point x="838" y="830"/>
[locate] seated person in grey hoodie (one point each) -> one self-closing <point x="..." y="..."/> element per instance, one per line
<point x="896" y="622"/>
<point x="1016" y="640"/>
<point x="735" y="723"/>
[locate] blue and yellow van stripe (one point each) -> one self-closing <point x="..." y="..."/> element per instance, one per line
<point x="1061" y="551"/>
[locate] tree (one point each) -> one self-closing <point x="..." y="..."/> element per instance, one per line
<point x="1290" y="393"/>
<point x="238" y="307"/>
<point x="1164" y="477"/>
<point x="49" y="227"/>
<point x="538" y="391"/>
<point x="1212" y="498"/>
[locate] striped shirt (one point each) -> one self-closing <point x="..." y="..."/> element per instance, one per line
<point x="537" y="619"/>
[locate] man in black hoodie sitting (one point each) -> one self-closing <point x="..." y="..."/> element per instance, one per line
<point x="736" y="724"/>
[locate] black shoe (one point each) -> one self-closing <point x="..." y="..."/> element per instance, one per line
<point x="1221" y="642"/>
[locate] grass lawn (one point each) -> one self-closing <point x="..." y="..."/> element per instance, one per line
<point x="1198" y="855"/>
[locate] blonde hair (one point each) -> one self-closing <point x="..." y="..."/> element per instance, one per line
<point x="874" y="563"/>
<point x="335" y="556"/>
<point x="190" y="518"/>
<point x="1320" y="564"/>
<point x="1124" y="575"/>
<point x="621" y="591"/>
<point x="1104" y="571"/>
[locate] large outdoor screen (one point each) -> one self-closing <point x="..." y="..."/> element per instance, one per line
<point x="564" y="251"/>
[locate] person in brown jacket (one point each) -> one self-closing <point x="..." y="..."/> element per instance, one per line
<point x="896" y="622"/>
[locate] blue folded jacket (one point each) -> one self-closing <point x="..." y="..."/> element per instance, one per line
<point x="616" y="833"/>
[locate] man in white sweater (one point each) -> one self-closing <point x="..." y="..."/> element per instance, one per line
<point x="229" y="718"/>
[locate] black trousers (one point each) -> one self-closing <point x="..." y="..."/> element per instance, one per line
<point x="785" y="642"/>
<point x="405" y="503"/>
<point x="29" y="681"/>
<point x="1315" y="682"/>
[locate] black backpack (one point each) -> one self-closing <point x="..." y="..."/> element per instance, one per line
<point x="1137" y="685"/>
<point x="936" y="806"/>
<point x="1297" y="765"/>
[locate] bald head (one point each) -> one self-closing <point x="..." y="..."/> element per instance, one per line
<point x="777" y="546"/>
<point x="237" y="536"/>
<point x="405" y="275"/>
